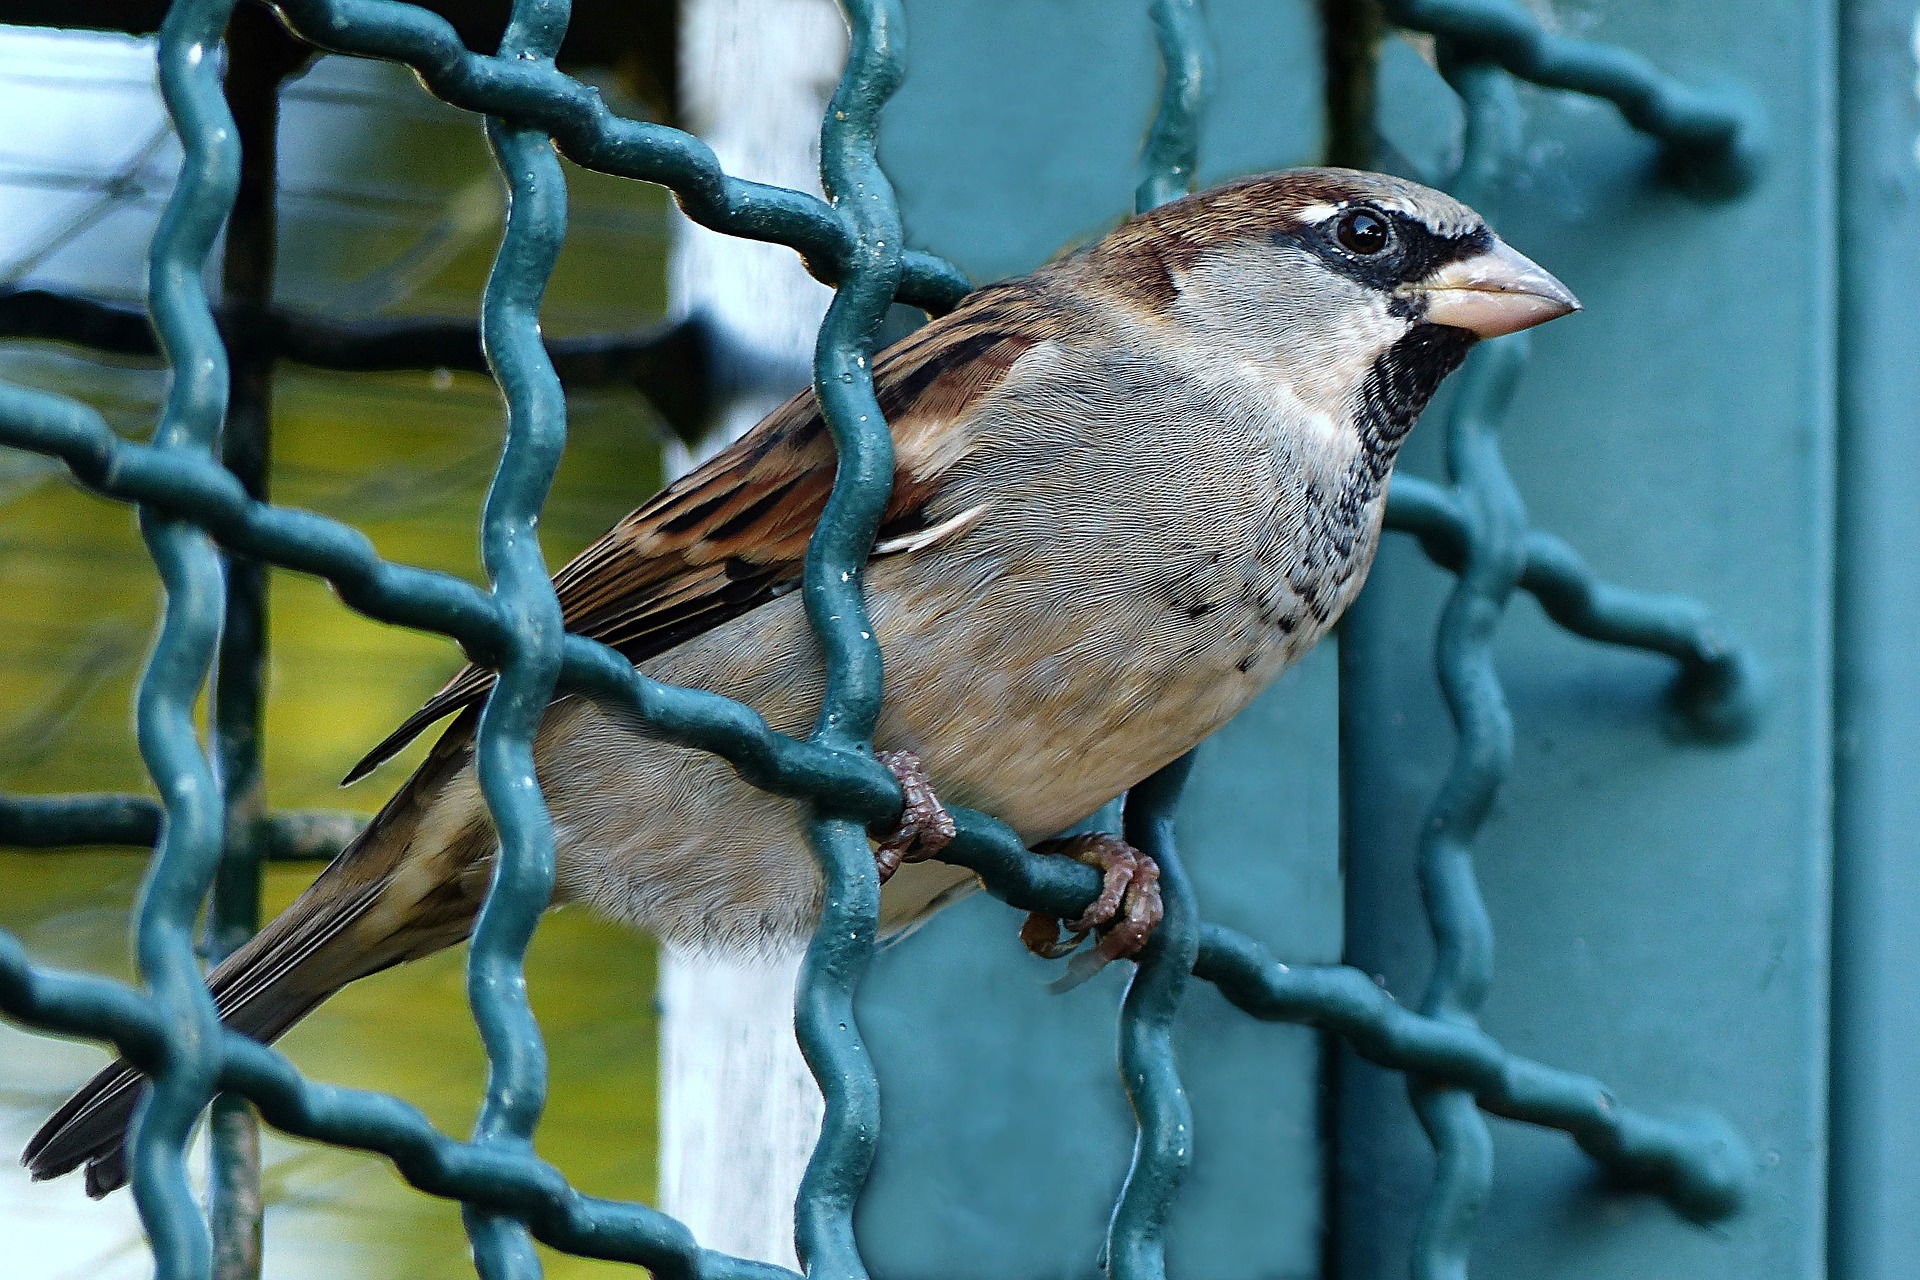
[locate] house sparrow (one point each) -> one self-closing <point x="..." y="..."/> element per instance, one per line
<point x="1130" y="490"/>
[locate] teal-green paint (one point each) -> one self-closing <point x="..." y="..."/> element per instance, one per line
<point x="842" y="945"/>
<point x="1658" y="903"/>
<point x="185" y="496"/>
<point x="1717" y="690"/>
<point x="1495" y="557"/>
<point x="70" y="821"/>
<point x="522" y="873"/>
<point x="1875" y="1233"/>
<point x="1163" y="1116"/>
<point x="187" y="857"/>
<point x="1171" y="156"/>
<point x="1714" y="138"/>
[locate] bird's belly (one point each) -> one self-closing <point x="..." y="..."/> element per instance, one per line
<point x="1039" y="713"/>
<point x="1038" y="717"/>
<point x="1041" y="743"/>
<point x="671" y="841"/>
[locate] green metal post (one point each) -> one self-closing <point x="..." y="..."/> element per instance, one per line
<point x="1875" y="1233"/>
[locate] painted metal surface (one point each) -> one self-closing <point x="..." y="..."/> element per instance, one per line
<point x="1874" y="1232"/>
<point x="1659" y="904"/>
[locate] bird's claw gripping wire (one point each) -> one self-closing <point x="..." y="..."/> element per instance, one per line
<point x="1125" y="912"/>
<point x="925" y="828"/>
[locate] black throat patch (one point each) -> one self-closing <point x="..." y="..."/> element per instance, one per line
<point x="1399" y="386"/>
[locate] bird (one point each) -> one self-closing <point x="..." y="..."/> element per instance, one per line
<point x="1130" y="489"/>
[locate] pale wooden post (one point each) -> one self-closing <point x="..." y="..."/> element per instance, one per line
<point x="739" y="1113"/>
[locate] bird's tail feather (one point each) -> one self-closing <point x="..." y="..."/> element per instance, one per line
<point x="365" y="913"/>
<point x="260" y="991"/>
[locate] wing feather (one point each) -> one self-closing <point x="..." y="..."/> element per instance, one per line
<point x="732" y="534"/>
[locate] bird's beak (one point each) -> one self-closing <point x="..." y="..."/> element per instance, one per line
<point x="1495" y="292"/>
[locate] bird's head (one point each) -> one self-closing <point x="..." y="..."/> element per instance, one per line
<point x="1359" y="292"/>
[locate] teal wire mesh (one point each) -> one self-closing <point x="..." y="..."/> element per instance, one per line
<point x="193" y="510"/>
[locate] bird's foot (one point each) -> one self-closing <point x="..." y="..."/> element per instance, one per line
<point x="925" y="826"/>
<point x="1125" y="912"/>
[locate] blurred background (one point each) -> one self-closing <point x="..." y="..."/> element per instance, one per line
<point x="390" y="206"/>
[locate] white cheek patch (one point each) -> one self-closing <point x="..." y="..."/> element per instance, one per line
<point x="1288" y="323"/>
<point x="1333" y="354"/>
<point x="1311" y="421"/>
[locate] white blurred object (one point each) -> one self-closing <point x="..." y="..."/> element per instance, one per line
<point x="739" y="1112"/>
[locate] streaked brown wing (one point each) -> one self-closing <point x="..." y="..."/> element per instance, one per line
<point x="731" y="535"/>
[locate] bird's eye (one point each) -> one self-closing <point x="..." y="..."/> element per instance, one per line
<point x="1363" y="231"/>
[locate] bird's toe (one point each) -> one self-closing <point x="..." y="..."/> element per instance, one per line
<point x="1124" y="912"/>
<point x="925" y="828"/>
